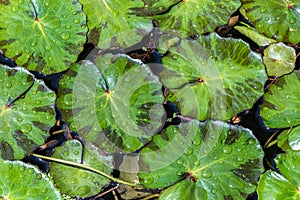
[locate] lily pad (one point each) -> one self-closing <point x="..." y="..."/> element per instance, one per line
<point x="290" y="139"/>
<point x="279" y="20"/>
<point x="213" y="77"/>
<point x="279" y="59"/>
<point x="26" y="112"/>
<point x="112" y="23"/>
<point x="22" y="181"/>
<point x="202" y="16"/>
<point x="281" y="108"/>
<point x="79" y="182"/>
<point x="211" y="160"/>
<point x="285" y="185"/>
<point x="42" y="35"/>
<point x="116" y="104"/>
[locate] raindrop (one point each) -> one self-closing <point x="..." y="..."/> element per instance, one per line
<point x="227" y="149"/>
<point x="148" y="180"/>
<point x="267" y="18"/>
<point x="26" y="128"/>
<point x="66" y="153"/>
<point x="15" y="8"/>
<point x="197" y="163"/>
<point x="50" y="58"/>
<point x="197" y="142"/>
<point x="188" y="151"/>
<point x="36" y="34"/>
<point x="39" y="176"/>
<point x="206" y="173"/>
<point x="180" y="173"/>
<point x="263" y="10"/>
<point x="84" y="175"/>
<point x="240" y="159"/>
<point x="8" y="85"/>
<point x="251" y="141"/>
<point x="30" y="171"/>
<point x="76" y="152"/>
<point x="179" y="162"/>
<point x="19" y="119"/>
<point x="68" y="26"/>
<point x="76" y="21"/>
<point x="65" y="36"/>
<point x="22" y="168"/>
<point x="48" y="47"/>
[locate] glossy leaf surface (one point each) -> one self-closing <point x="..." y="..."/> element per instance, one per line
<point x="281" y="107"/>
<point x="215" y="159"/>
<point x="42" y="35"/>
<point x="26" y="112"/>
<point x="213" y="77"/>
<point x="286" y="186"/>
<point x="116" y="105"/>
<point x="112" y="24"/>
<point x="278" y="20"/>
<point x="78" y="182"/>
<point x="22" y="181"/>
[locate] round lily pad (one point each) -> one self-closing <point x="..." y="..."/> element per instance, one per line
<point x="285" y="185"/>
<point x="281" y="107"/>
<point x="42" y="35"/>
<point x="279" y="20"/>
<point x="112" y="23"/>
<point x="279" y="59"/>
<point x="202" y="16"/>
<point x="22" y="181"/>
<point x="213" y="77"/>
<point x="26" y="112"/>
<point x="79" y="182"/>
<point x="211" y="160"/>
<point x="114" y="104"/>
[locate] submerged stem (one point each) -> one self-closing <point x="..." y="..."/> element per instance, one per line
<point x="82" y="166"/>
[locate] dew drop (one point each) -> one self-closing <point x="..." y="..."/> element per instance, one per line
<point x="267" y="18"/>
<point x="84" y="175"/>
<point x="197" y="163"/>
<point x="30" y="171"/>
<point x="277" y="18"/>
<point x="188" y="151"/>
<point x="76" y="152"/>
<point x="26" y="128"/>
<point x="66" y="153"/>
<point x="68" y="26"/>
<point x="196" y="142"/>
<point x="39" y="176"/>
<point x="14" y="8"/>
<point x="65" y="36"/>
<point x="48" y="47"/>
<point x="8" y="85"/>
<point x="292" y="21"/>
<point x="36" y="34"/>
<point x="76" y="21"/>
<point x="22" y="168"/>
<point x="148" y="180"/>
<point x="179" y="162"/>
<point x="251" y="141"/>
<point x="227" y="149"/>
<point x="206" y="173"/>
<point x="263" y="10"/>
<point x="50" y="58"/>
<point x="19" y="119"/>
<point x="180" y="173"/>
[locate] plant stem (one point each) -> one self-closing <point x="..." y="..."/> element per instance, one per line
<point x="82" y="166"/>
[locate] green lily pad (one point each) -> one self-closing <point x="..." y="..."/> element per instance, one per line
<point x="254" y="35"/>
<point x="202" y="16"/>
<point x="26" y="112"/>
<point x="286" y="186"/>
<point x="22" y="181"/>
<point x="213" y="77"/>
<point x="279" y="20"/>
<point x="279" y="59"/>
<point x="290" y="139"/>
<point x="79" y="182"/>
<point x="42" y="35"/>
<point x="281" y="108"/>
<point x="211" y="160"/>
<point x="112" y="23"/>
<point x="116" y="104"/>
